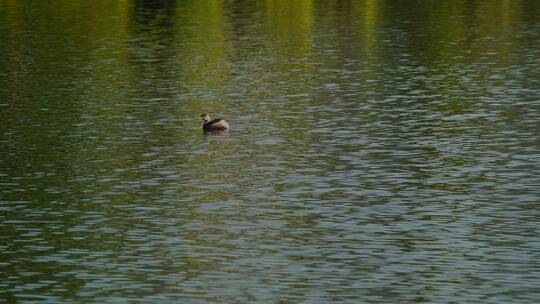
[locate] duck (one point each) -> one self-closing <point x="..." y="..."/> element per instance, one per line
<point x="218" y="124"/>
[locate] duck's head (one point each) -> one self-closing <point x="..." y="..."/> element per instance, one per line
<point x="205" y="117"/>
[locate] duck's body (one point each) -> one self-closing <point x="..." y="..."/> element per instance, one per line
<point x="217" y="124"/>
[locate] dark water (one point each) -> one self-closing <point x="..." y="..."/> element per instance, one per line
<point x="381" y="151"/>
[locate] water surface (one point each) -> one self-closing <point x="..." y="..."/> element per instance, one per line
<point x="381" y="151"/>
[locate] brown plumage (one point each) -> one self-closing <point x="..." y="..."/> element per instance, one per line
<point x="217" y="124"/>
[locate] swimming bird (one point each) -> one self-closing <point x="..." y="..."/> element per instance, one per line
<point x="217" y="124"/>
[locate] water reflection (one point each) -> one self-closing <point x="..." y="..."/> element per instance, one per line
<point x="380" y="151"/>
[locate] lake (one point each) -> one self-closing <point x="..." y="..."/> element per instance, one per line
<point x="380" y="152"/>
